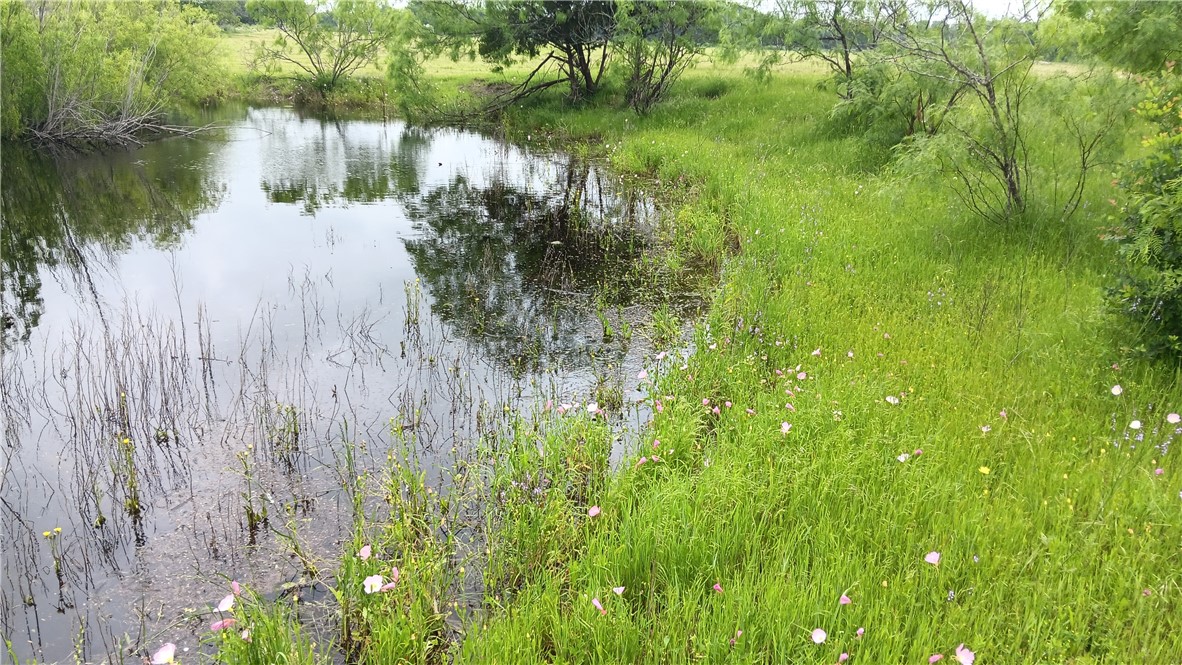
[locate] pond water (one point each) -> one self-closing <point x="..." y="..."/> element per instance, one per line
<point x="193" y="330"/>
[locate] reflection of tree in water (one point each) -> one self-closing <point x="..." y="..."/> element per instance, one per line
<point x="516" y="260"/>
<point x="517" y="272"/>
<point x="66" y="211"/>
<point x="332" y="166"/>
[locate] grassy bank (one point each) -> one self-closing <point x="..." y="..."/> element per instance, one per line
<point x="881" y="378"/>
<point x="949" y="387"/>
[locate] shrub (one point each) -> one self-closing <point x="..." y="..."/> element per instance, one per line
<point x="1149" y="225"/>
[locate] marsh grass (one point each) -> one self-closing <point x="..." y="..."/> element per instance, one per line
<point x="1056" y="534"/>
<point x="263" y="632"/>
<point x="878" y="376"/>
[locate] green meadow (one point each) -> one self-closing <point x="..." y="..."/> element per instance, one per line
<point x="896" y="423"/>
<point x="949" y="386"/>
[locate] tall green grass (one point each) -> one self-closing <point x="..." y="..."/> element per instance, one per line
<point x="1058" y="536"/>
<point x="949" y="387"/>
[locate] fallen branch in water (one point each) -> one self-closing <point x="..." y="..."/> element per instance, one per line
<point x="118" y="131"/>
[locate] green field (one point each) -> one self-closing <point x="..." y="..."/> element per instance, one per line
<point x="914" y="327"/>
<point x="893" y="378"/>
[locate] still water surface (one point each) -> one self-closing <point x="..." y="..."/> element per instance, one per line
<point x="197" y="326"/>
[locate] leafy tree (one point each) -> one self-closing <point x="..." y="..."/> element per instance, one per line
<point x="988" y="124"/>
<point x="889" y="100"/>
<point x="327" y="41"/>
<point x="988" y="64"/>
<point x="659" y="42"/>
<point x="576" y="34"/>
<point x="226" y="13"/>
<point x="21" y="69"/>
<point x="573" y="35"/>
<point x="836" y="32"/>
<point x="1135" y="35"/>
<point x="1060" y="38"/>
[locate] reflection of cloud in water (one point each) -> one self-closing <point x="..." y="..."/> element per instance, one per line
<point x="511" y="247"/>
<point x="162" y="295"/>
<point x="58" y="211"/>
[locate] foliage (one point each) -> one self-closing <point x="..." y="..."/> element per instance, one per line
<point x="227" y="14"/>
<point x="888" y="102"/>
<point x="327" y="41"/>
<point x="574" y="40"/>
<point x="659" y="42"/>
<point x="836" y="31"/>
<point x="409" y="48"/>
<point x="988" y="64"/>
<point x="99" y="70"/>
<point x="574" y="35"/>
<point x="1060" y="38"/>
<point x="21" y="96"/>
<point x="1148" y="233"/>
<point x="1135" y="35"/>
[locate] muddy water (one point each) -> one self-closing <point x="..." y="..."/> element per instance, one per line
<point x="196" y="332"/>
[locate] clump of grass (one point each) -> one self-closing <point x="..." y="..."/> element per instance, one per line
<point x="127" y="472"/>
<point x="253" y="505"/>
<point x="257" y="632"/>
<point x="399" y="581"/>
<point x="545" y="478"/>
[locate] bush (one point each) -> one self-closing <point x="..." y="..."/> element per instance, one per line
<point x="1148" y="232"/>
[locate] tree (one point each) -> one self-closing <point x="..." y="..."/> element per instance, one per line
<point x="327" y="41"/>
<point x="571" y="36"/>
<point x="21" y="96"/>
<point x="659" y="42"/>
<point x="1148" y="230"/>
<point x="1135" y="35"/>
<point x="988" y="126"/>
<point x="575" y="33"/>
<point x="988" y="63"/>
<point x="836" y="31"/>
<point x="226" y="13"/>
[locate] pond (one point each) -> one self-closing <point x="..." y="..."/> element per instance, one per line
<point x="197" y="333"/>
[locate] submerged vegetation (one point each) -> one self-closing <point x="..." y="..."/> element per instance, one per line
<point x="928" y="413"/>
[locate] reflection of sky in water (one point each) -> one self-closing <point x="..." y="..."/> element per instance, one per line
<point x="303" y="303"/>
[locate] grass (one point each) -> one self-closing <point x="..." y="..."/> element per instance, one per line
<point x="1057" y="537"/>
<point x="843" y="284"/>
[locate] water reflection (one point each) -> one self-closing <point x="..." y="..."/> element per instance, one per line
<point x="71" y="210"/>
<point x="188" y="326"/>
<point x="331" y="166"/>
<point x="515" y="269"/>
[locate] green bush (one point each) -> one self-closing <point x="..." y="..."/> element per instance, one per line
<point x="1148" y="233"/>
<point x="93" y="69"/>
